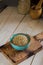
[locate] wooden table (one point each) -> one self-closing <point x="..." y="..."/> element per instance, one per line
<point x="12" y="22"/>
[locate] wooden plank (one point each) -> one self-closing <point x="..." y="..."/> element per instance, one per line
<point x="5" y="15"/>
<point x="27" y="61"/>
<point x="30" y="26"/>
<point x="11" y="23"/>
<point x="38" y="60"/>
<point x="4" y="60"/>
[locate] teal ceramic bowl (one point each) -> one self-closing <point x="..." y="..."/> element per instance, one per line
<point x="20" y="47"/>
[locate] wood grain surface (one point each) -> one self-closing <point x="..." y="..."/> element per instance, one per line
<point x="19" y="56"/>
<point x="10" y="23"/>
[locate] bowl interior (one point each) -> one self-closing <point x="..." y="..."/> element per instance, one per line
<point x="28" y="37"/>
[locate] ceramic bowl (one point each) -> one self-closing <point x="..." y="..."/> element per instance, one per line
<point x="20" y="47"/>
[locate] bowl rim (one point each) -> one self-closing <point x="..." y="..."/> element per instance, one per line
<point x="28" y="37"/>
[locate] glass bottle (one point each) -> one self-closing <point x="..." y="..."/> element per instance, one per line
<point x="23" y="6"/>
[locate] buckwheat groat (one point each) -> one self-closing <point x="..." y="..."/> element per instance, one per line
<point x="20" y="40"/>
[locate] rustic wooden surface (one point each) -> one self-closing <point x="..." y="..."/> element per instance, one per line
<point x="9" y="21"/>
<point x="19" y="56"/>
<point x="27" y="61"/>
<point x="12" y="22"/>
<point x="4" y="60"/>
<point x="38" y="60"/>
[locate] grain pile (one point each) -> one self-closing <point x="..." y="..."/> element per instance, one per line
<point x="20" y="40"/>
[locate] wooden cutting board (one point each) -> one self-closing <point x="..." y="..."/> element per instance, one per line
<point x="19" y="56"/>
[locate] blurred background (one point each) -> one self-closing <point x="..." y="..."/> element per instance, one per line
<point x="4" y="3"/>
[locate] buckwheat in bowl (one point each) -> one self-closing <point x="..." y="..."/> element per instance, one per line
<point x="20" y="41"/>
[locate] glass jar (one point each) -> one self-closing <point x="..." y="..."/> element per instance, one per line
<point x="23" y="6"/>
